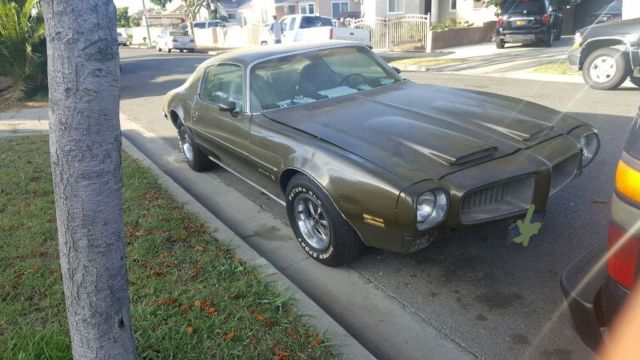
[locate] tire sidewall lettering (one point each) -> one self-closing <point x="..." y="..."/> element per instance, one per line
<point x="293" y="193"/>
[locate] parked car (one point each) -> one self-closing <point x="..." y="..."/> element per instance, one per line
<point x="528" y="21"/>
<point x="357" y="155"/>
<point x="175" y="40"/>
<point x="209" y="24"/>
<point x="597" y="284"/>
<point x="608" y="54"/>
<point x="306" y="28"/>
<point x="122" y="40"/>
<point x="610" y="12"/>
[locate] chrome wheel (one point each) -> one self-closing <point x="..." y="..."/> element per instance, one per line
<point x="603" y="69"/>
<point x="185" y="144"/>
<point x="312" y="222"/>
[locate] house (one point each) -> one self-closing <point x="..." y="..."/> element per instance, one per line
<point x="256" y="12"/>
<point x="335" y="9"/>
<point x="474" y="11"/>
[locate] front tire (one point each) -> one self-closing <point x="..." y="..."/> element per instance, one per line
<point x="605" y="69"/>
<point x="635" y="80"/>
<point x="558" y="35"/>
<point x="318" y="225"/>
<point x="196" y="159"/>
<point x="499" y="44"/>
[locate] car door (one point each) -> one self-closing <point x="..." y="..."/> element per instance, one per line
<point x="224" y="134"/>
<point x="288" y="26"/>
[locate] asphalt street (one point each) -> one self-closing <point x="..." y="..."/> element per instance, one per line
<point x="493" y="299"/>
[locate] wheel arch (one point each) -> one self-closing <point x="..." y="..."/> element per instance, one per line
<point x="599" y="43"/>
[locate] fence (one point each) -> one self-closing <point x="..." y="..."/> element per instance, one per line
<point x="399" y="33"/>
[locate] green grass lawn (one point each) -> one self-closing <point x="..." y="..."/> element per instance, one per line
<point x="556" y="68"/>
<point x="190" y="297"/>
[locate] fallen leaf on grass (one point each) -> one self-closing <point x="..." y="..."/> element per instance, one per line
<point x="199" y="248"/>
<point x="159" y="272"/>
<point x="280" y="354"/>
<point x="195" y="272"/>
<point x="315" y="342"/>
<point x="197" y="303"/>
<point x="185" y="309"/>
<point x="291" y="314"/>
<point x="167" y="301"/>
<point x="227" y="336"/>
<point x="292" y="334"/>
<point x="210" y="311"/>
<point x="266" y="321"/>
<point x="169" y="264"/>
<point x="34" y="267"/>
<point x="253" y="339"/>
<point x="163" y="255"/>
<point x="188" y="330"/>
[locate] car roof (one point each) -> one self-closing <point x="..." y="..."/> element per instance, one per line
<point x="246" y="57"/>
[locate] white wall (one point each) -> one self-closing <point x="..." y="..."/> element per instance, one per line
<point x="139" y="33"/>
<point x="630" y="9"/>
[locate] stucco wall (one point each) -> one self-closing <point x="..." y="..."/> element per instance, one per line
<point x="630" y="9"/>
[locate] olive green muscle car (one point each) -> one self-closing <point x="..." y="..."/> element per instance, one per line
<point x="362" y="157"/>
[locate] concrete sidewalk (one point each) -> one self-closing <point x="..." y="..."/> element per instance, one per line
<point x="24" y="121"/>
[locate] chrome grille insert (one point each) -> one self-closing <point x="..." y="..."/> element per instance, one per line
<point x="497" y="200"/>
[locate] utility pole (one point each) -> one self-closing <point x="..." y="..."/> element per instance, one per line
<point x="146" y="22"/>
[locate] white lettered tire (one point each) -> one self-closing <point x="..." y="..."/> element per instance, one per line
<point x="318" y="226"/>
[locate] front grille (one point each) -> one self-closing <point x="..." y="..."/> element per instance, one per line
<point x="497" y="200"/>
<point x="563" y="172"/>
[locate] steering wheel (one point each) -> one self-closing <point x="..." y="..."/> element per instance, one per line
<point x="353" y="80"/>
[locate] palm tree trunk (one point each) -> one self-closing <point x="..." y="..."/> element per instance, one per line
<point x="85" y="140"/>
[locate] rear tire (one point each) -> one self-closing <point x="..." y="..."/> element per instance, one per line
<point x="499" y="44"/>
<point x="196" y="159"/>
<point x="318" y="225"/>
<point x="548" y="42"/>
<point x="168" y="51"/>
<point x="605" y="69"/>
<point x="159" y="49"/>
<point x="635" y="80"/>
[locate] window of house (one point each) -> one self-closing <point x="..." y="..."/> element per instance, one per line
<point x="453" y="5"/>
<point x="395" y="6"/>
<point x="338" y="8"/>
<point x="221" y="83"/>
<point x="307" y="8"/>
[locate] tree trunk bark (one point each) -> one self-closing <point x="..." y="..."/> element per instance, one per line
<point x="85" y="141"/>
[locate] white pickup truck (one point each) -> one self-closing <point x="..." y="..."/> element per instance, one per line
<point x="297" y="28"/>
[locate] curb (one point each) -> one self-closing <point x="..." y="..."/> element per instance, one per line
<point x="344" y="343"/>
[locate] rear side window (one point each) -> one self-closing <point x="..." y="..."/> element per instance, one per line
<point x="199" y="25"/>
<point x="530" y="7"/>
<point x="314" y="21"/>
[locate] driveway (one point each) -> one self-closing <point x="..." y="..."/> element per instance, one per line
<point x="468" y="295"/>
<point x="485" y="58"/>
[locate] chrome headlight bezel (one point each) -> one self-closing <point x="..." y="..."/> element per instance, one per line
<point x="431" y="208"/>
<point x="590" y="145"/>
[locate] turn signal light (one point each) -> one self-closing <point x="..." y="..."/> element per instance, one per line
<point x="500" y="21"/>
<point x="628" y="181"/>
<point x="622" y="263"/>
<point x="546" y="18"/>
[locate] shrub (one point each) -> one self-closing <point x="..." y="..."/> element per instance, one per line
<point x="451" y="23"/>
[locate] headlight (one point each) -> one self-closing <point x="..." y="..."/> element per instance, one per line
<point x="590" y="144"/>
<point x="577" y="40"/>
<point x="431" y="208"/>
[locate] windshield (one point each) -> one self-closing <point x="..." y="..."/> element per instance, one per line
<point x="533" y="7"/>
<point x="312" y="76"/>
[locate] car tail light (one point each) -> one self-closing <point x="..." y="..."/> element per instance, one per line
<point x="546" y="19"/>
<point x="500" y="21"/>
<point x="628" y="181"/>
<point x="622" y="263"/>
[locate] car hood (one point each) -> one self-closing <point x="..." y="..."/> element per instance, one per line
<point x="624" y="28"/>
<point x="423" y="132"/>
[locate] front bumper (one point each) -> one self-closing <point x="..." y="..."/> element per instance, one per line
<point x="574" y="58"/>
<point x="496" y="190"/>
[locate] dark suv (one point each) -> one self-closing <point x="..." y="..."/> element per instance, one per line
<point x="608" y="54"/>
<point x="597" y="284"/>
<point x="528" y="21"/>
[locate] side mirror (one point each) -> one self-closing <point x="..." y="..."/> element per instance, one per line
<point x="396" y="69"/>
<point x="227" y="106"/>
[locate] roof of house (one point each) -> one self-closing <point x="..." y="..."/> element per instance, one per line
<point x="233" y="4"/>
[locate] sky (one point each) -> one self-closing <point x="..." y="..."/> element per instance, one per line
<point x="135" y="5"/>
